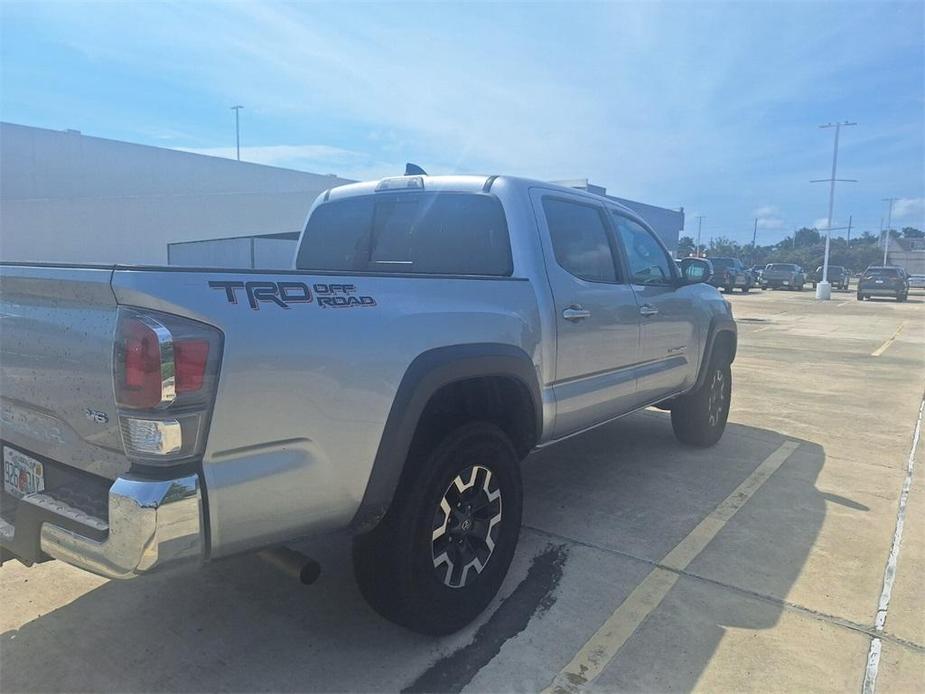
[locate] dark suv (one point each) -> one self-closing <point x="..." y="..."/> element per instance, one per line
<point x="783" y="276"/>
<point x="883" y="281"/>
<point x="730" y="273"/>
<point x="839" y="277"/>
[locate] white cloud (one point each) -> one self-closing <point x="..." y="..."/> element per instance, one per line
<point x="905" y="208"/>
<point x="768" y="217"/>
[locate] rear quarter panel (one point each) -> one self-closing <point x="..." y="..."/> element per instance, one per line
<point x="305" y="391"/>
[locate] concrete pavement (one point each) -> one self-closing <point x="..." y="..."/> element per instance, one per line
<point x="776" y="588"/>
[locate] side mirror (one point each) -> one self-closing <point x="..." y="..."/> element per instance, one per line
<point x="696" y="270"/>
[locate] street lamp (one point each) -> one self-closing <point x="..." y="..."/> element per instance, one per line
<point x="823" y="288"/>
<point x="237" y="129"/>
<point x="889" y="223"/>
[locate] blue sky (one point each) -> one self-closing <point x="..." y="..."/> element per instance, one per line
<point x="711" y="106"/>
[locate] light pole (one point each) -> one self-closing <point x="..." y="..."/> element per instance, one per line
<point x="889" y="223"/>
<point x="824" y="289"/>
<point x="699" y="224"/>
<point x="754" y="238"/>
<point x="237" y="129"/>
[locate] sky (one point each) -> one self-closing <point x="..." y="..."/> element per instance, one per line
<point x="711" y="106"/>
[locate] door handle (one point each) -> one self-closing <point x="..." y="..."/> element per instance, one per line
<point x="648" y="310"/>
<point x="575" y="313"/>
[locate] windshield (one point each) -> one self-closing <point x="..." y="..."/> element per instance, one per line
<point x="722" y="263"/>
<point x="782" y="267"/>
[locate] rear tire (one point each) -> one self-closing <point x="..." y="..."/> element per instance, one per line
<point x="699" y="418"/>
<point x="860" y="296"/>
<point x="467" y="488"/>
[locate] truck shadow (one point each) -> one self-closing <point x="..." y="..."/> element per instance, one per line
<point x="626" y="491"/>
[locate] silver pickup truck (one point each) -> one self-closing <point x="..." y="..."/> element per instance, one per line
<point x="434" y="331"/>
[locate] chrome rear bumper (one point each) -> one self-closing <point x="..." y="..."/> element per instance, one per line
<point x="152" y="524"/>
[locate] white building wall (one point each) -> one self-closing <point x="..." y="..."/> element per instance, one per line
<point x="66" y="197"/>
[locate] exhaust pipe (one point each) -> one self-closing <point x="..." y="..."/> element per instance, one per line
<point x="292" y="563"/>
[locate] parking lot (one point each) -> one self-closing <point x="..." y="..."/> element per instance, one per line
<point x="758" y="564"/>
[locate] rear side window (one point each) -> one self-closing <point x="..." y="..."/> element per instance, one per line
<point x="579" y="240"/>
<point x="429" y="233"/>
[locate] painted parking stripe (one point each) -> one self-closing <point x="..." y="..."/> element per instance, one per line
<point x="886" y="345"/>
<point x="601" y="648"/>
<point x="889" y="573"/>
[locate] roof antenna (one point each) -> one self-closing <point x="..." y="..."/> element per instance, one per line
<point x="414" y="170"/>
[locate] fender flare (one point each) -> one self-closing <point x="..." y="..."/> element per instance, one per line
<point x="429" y="372"/>
<point x="718" y="325"/>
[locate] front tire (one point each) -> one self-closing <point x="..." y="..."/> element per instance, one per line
<point x="699" y="418"/>
<point x="440" y="554"/>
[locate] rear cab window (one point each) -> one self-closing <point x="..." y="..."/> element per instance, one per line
<point x="580" y="239"/>
<point x="441" y="233"/>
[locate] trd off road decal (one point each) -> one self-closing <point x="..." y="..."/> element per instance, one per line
<point x="340" y="296"/>
<point x="284" y="294"/>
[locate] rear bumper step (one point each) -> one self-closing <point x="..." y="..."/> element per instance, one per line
<point x="152" y="524"/>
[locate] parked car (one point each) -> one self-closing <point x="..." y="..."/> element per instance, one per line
<point x="729" y="274"/>
<point x="883" y="280"/>
<point x="433" y="331"/>
<point x="783" y="276"/>
<point x="917" y="281"/>
<point x="839" y="277"/>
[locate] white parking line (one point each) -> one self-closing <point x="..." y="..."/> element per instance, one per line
<point x="889" y="573"/>
<point x="883" y="348"/>
<point x="601" y="648"/>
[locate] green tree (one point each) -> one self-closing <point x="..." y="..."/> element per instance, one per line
<point x="685" y="247"/>
<point x="722" y="247"/>
<point x="913" y="233"/>
<point x="807" y="237"/>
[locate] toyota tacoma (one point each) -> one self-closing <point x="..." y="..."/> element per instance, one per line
<point x="433" y="331"/>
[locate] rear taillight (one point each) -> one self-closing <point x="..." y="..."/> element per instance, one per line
<point x="191" y="358"/>
<point x="166" y="374"/>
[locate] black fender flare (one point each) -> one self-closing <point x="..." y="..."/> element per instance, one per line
<point x="718" y="326"/>
<point x="428" y="373"/>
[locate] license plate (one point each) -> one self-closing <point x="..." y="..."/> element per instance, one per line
<point x="786" y="281"/>
<point x="22" y="474"/>
<point x="878" y="281"/>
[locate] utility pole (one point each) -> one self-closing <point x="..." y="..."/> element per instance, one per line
<point x="699" y="224"/>
<point x="754" y="237"/>
<point x="824" y="289"/>
<point x="889" y="223"/>
<point x="850" y="217"/>
<point x="237" y="129"/>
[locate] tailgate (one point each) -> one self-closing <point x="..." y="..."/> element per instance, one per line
<point x="56" y="383"/>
